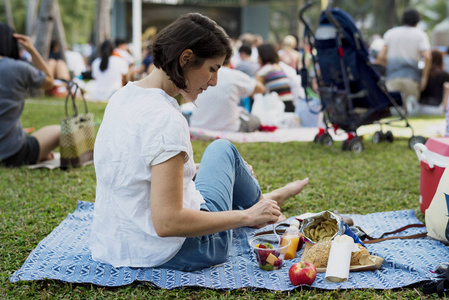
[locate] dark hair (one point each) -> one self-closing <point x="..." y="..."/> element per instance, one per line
<point x="9" y="47"/>
<point x="53" y="45"/>
<point x="437" y="59"/>
<point x="119" y="41"/>
<point x="268" y="54"/>
<point x="410" y="17"/>
<point x="191" y="31"/>
<point x="106" y="50"/>
<point x="245" y="49"/>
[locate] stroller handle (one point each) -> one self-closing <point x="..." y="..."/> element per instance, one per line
<point x="303" y="10"/>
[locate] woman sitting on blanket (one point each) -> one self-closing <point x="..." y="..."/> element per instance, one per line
<point x="149" y="209"/>
<point x="16" y="77"/>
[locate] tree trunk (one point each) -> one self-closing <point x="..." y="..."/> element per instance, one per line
<point x="102" y="22"/>
<point x="58" y="31"/>
<point x="391" y="13"/>
<point x="31" y="18"/>
<point x="44" y="30"/>
<point x="9" y="17"/>
<point x="44" y="27"/>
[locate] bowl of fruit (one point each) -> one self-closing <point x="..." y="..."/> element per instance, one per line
<point x="269" y="251"/>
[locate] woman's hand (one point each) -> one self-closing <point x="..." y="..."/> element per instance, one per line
<point x="263" y="213"/>
<point x="24" y="40"/>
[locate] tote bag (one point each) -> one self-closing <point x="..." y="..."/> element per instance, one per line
<point x="77" y="133"/>
<point x="437" y="214"/>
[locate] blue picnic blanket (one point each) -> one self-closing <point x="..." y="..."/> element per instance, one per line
<point x="64" y="255"/>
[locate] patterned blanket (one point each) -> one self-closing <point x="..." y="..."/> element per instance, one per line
<point x="64" y="255"/>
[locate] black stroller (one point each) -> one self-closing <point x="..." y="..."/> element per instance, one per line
<point x="351" y="90"/>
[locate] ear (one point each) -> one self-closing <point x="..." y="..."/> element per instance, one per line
<point x="185" y="56"/>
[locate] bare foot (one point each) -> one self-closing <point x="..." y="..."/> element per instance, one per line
<point x="49" y="156"/>
<point x="290" y="190"/>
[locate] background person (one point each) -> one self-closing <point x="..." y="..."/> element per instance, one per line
<point x="273" y="76"/>
<point x="218" y="108"/>
<point x="434" y="97"/>
<point x="404" y="46"/>
<point x="246" y="64"/>
<point x="108" y="72"/>
<point x="145" y="195"/>
<point x="288" y="54"/>
<point x="16" y="77"/>
<point x="56" y="63"/>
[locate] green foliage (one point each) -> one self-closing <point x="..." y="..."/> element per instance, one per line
<point x="77" y="17"/>
<point x="384" y="177"/>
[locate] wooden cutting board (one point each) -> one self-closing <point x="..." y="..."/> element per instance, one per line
<point x="369" y="262"/>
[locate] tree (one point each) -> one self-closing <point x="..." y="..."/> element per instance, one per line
<point x="44" y="27"/>
<point x="31" y="18"/>
<point x="102" y="22"/>
<point x="9" y="14"/>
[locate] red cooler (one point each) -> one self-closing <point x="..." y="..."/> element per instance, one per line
<point x="434" y="158"/>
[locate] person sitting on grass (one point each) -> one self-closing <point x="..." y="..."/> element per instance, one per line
<point x="154" y="207"/>
<point x="16" y="77"/>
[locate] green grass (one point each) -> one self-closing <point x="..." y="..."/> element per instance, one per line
<point x="384" y="177"/>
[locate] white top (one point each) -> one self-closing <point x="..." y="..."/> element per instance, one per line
<point x="109" y="80"/>
<point x="141" y="128"/>
<point x="217" y="107"/>
<point x="124" y="55"/>
<point x="405" y="43"/>
<point x="75" y="62"/>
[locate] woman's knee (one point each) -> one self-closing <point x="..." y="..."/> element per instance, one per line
<point x="222" y="146"/>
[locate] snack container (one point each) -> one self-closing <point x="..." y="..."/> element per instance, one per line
<point x="269" y="251"/>
<point x="434" y="158"/>
<point x="320" y="222"/>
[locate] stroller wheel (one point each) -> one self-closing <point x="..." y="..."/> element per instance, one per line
<point x="345" y="146"/>
<point x="415" y="140"/>
<point x="389" y="136"/>
<point x="355" y="145"/>
<point x="377" y="137"/>
<point x="326" y="140"/>
<point x="316" y="140"/>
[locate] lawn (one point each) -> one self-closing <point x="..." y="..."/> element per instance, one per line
<point x="383" y="177"/>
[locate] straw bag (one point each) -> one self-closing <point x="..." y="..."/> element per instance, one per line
<point x="77" y="133"/>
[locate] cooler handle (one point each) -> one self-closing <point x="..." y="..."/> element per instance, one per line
<point x="421" y="151"/>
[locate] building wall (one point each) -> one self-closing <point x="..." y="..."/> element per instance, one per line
<point x="235" y="20"/>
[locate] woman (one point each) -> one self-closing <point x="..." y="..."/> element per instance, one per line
<point x="56" y="63"/>
<point x="273" y="76"/>
<point x="148" y="210"/>
<point x="108" y="71"/>
<point x="288" y="54"/>
<point x="16" y="77"/>
<point x="434" y="97"/>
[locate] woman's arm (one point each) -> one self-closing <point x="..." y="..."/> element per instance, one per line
<point x="171" y="219"/>
<point x="37" y="59"/>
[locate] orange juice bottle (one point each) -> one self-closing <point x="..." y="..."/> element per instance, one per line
<point x="292" y="233"/>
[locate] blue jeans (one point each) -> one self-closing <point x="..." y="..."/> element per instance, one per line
<point x="226" y="183"/>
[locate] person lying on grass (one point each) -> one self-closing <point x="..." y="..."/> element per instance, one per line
<point x="149" y="209"/>
<point x="16" y="77"/>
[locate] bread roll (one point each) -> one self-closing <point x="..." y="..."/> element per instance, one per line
<point x="318" y="254"/>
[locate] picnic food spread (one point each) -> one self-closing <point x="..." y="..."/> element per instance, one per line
<point x="318" y="254"/>
<point x="324" y="235"/>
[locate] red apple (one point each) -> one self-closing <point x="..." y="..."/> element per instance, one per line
<point x="302" y="273"/>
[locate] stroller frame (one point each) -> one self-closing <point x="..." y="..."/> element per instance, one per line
<point x="345" y="94"/>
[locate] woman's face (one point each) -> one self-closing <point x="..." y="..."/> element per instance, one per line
<point x="199" y="79"/>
